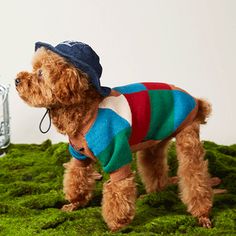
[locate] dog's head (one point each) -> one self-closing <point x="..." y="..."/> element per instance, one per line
<point x="52" y="82"/>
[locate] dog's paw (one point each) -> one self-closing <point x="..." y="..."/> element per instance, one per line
<point x="70" y="207"/>
<point x="205" y="222"/>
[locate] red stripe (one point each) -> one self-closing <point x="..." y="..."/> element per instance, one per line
<point x="140" y="109"/>
<point x="156" y="86"/>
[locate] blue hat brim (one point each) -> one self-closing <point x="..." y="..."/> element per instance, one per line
<point x="105" y="91"/>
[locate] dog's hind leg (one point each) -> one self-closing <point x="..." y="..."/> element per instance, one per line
<point x="79" y="182"/>
<point x="153" y="167"/>
<point x="194" y="180"/>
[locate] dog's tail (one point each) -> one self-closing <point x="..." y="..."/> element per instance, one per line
<point x="204" y="111"/>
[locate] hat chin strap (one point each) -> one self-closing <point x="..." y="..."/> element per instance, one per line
<point x="41" y="122"/>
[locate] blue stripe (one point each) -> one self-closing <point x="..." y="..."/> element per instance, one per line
<point x="131" y="88"/>
<point x="106" y="126"/>
<point x="183" y="105"/>
<point x="76" y="154"/>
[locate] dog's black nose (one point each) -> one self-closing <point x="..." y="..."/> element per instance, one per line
<point x="17" y="81"/>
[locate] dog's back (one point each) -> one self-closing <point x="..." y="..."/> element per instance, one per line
<point x="136" y="116"/>
<point x="157" y="109"/>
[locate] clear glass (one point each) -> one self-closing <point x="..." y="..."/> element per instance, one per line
<point x="4" y="117"/>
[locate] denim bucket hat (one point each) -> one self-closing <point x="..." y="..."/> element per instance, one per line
<point x="83" y="57"/>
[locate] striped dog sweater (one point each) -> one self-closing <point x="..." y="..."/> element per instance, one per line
<point x="140" y="112"/>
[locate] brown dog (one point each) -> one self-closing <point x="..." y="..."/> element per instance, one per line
<point x="78" y="105"/>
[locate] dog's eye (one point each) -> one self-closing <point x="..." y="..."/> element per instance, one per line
<point x="40" y="73"/>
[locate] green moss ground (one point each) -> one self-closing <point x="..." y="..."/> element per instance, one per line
<point x="31" y="197"/>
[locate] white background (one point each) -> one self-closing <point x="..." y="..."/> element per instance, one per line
<point x="191" y="44"/>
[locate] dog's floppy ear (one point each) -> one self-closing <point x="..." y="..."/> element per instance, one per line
<point x="71" y="86"/>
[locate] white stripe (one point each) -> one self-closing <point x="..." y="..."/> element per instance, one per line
<point x="119" y="105"/>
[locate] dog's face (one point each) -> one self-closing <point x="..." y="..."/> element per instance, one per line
<point x="52" y="82"/>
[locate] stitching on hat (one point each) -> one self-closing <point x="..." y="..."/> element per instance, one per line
<point x="70" y="43"/>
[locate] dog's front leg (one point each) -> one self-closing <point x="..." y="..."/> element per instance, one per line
<point x="79" y="182"/>
<point x="118" y="204"/>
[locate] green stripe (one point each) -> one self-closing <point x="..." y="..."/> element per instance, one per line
<point x="162" y="114"/>
<point x="117" y="153"/>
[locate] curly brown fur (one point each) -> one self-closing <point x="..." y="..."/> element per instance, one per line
<point x="153" y="167"/>
<point x="79" y="182"/>
<point x="194" y="181"/>
<point x="118" y="204"/>
<point x="204" y="111"/>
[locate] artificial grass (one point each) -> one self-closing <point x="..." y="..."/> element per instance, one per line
<point x="31" y="197"/>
